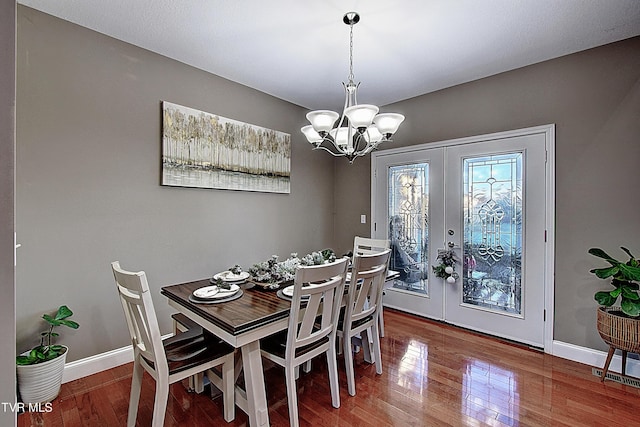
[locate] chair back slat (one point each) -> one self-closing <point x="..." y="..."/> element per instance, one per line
<point x="135" y="297"/>
<point x="324" y="285"/>
<point x="367" y="246"/>
<point x="364" y="296"/>
<point x="135" y="314"/>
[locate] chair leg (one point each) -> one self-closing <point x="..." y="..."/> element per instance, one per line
<point x="607" y="362"/>
<point x="348" y="366"/>
<point x="306" y="368"/>
<point x="228" y="390"/>
<point x="134" y="398"/>
<point x="332" y="367"/>
<point x="376" y="348"/>
<point x="292" y="395"/>
<point x="196" y="383"/>
<point x="381" y="322"/>
<point x="624" y="361"/>
<point x="366" y="345"/>
<point x="160" y="402"/>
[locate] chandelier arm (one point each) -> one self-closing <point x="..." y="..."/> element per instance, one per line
<point x="360" y="154"/>
<point x="334" y="154"/>
<point x="359" y="137"/>
<point x="331" y="145"/>
<point x="342" y="121"/>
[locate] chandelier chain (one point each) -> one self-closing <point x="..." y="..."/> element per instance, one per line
<point x="351" y="52"/>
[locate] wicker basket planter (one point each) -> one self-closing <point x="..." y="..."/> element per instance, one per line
<point x="619" y="332"/>
<point x="623" y="333"/>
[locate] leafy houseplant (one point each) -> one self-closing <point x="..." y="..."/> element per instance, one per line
<point x="624" y="278"/>
<point x="620" y="329"/>
<point x="47" y="351"/>
<point x="40" y="370"/>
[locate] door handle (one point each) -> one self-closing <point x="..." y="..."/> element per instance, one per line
<point x="451" y="245"/>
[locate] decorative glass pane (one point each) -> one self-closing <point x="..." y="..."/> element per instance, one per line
<point x="492" y="267"/>
<point x="409" y="225"/>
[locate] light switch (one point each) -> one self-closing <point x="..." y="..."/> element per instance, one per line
<point x="363" y="219"/>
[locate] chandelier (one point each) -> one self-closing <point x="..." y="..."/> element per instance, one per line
<point x="360" y="129"/>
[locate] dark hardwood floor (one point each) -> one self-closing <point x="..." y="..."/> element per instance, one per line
<point x="434" y="375"/>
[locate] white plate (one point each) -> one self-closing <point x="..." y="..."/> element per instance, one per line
<point x="206" y="292"/>
<point x="209" y="293"/>
<point x="288" y="291"/>
<point x="228" y="276"/>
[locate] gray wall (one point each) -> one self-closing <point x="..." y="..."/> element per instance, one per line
<point x="7" y="170"/>
<point x="88" y="182"/>
<point x="88" y="156"/>
<point x="593" y="97"/>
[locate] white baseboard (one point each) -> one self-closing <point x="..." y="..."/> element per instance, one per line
<point x="98" y="363"/>
<point x="595" y="358"/>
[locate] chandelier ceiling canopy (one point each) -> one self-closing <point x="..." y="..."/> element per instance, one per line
<point x="360" y="128"/>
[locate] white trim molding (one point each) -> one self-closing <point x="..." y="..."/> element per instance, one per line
<point x="98" y="363"/>
<point x="595" y="358"/>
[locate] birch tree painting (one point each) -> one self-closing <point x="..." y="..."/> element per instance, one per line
<point x="204" y="150"/>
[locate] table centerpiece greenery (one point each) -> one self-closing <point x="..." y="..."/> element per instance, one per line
<point x="275" y="273"/>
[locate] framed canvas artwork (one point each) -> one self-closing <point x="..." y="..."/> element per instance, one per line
<point x="204" y="150"/>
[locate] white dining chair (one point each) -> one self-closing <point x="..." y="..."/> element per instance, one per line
<point x="170" y="360"/>
<point x="312" y="328"/>
<point x="367" y="246"/>
<point x="363" y="308"/>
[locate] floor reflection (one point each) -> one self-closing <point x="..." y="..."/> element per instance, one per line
<point x="490" y="392"/>
<point x="476" y="388"/>
<point x="414" y="367"/>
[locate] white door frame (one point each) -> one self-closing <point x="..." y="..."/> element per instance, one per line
<point x="549" y="258"/>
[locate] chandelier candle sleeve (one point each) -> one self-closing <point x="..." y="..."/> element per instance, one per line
<point x="360" y="129"/>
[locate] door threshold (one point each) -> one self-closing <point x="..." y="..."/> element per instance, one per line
<point x="471" y="331"/>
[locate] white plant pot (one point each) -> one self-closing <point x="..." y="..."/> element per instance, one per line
<point x="40" y="383"/>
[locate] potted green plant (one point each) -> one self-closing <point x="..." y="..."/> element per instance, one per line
<point x="623" y="278"/>
<point x="40" y="369"/>
<point x="619" y="327"/>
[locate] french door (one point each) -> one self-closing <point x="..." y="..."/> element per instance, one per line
<point x="485" y="199"/>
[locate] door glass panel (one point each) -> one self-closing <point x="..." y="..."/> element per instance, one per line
<point x="492" y="259"/>
<point x="409" y="225"/>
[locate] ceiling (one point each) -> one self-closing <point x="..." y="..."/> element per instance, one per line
<point x="299" y="50"/>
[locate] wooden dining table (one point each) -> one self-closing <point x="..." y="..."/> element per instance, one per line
<point x="242" y="322"/>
